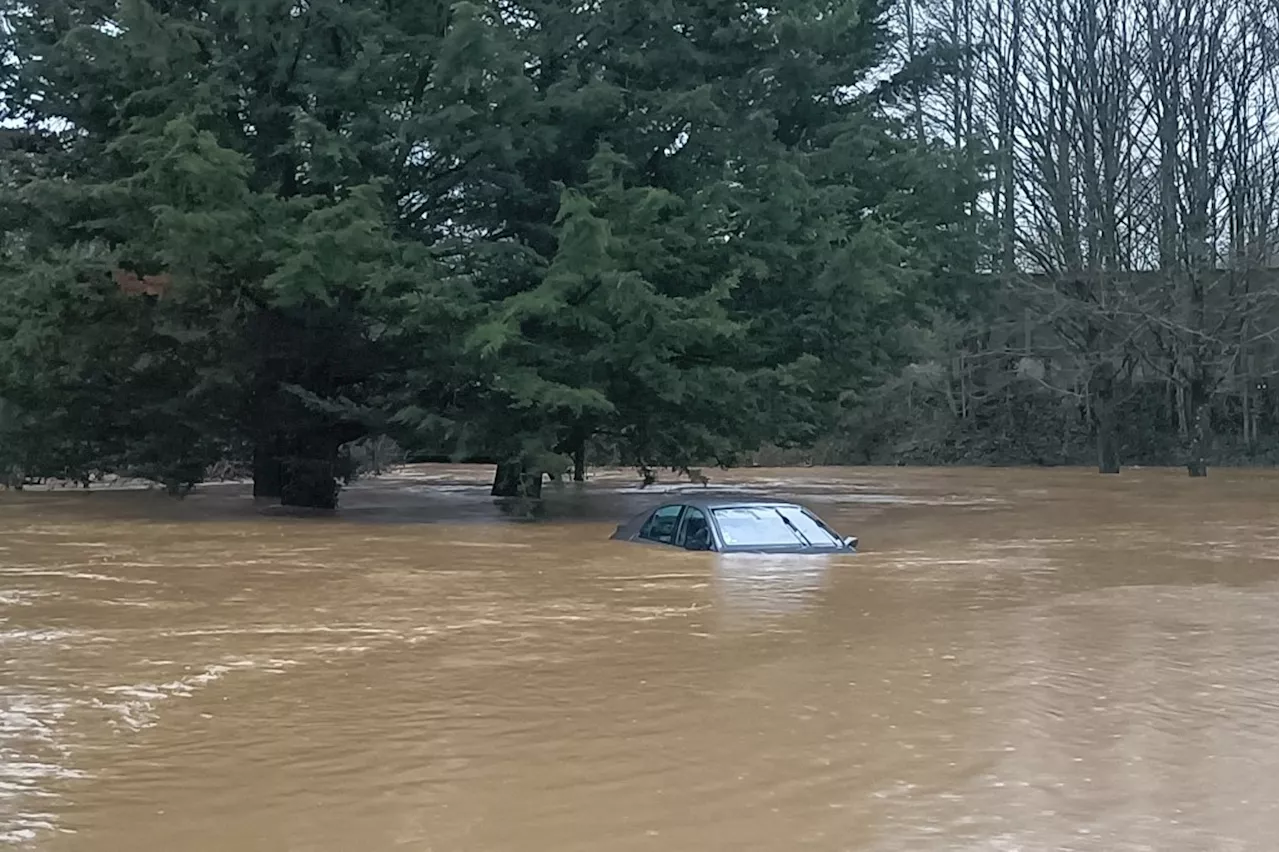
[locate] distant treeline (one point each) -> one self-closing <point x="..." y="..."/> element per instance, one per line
<point x="1131" y="218"/>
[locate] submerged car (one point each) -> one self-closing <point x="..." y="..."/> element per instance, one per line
<point x="729" y="525"/>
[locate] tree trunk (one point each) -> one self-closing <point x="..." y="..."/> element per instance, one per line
<point x="1102" y="395"/>
<point x="531" y="486"/>
<point x="580" y="462"/>
<point x="1198" y="445"/>
<point x="302" y="469"/>
<point x="506" y="480"/>
<point x="1108" y="444"/>
<point x="270" y="441"/>
<point x="309" y="483"/>
<point x="1246" y="415"/>
<point x="511" y="480"/>
<point x="268" y="471"/>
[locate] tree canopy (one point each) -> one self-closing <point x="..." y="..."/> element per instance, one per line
<point x="496" y="230"/>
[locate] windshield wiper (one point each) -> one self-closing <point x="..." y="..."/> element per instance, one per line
<point x="795" y="529"/>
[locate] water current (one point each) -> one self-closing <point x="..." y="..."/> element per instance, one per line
<point x="1017" y="660"/>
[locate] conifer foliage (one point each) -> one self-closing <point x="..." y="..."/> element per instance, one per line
<point x="261" y="230"/>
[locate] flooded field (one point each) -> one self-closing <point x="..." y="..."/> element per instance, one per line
<point x="1018" y="660"/>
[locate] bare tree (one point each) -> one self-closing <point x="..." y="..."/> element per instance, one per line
<point x="1133" y="189"/>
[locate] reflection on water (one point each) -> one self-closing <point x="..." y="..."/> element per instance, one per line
<point x="1016" y="660"/>
<point x="750" y="586"/>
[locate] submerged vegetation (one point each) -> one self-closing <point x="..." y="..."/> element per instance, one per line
<point x="537" y="234"/>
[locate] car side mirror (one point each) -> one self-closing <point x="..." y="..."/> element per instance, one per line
<point x="851" y="542"/>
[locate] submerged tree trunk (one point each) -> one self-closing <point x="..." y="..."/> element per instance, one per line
<point x="13" y="478"/>
<point x="1108" y="444"/>
<point x="506" y="480"/>
<point x="270" y="440"/>
<point x="268" y="472"/>
<point x="580" y="462"/>
<point x="308" y="471"/>
<point x="1102" y="393"/>
<point x="512" y="480"/>
<point x="309" y="483"/>
<point x="300" y="469"/>
<point x="1198" y="441"/>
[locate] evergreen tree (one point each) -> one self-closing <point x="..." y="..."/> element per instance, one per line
<point x="702" y="183"/>
<point x="244" y="154"/>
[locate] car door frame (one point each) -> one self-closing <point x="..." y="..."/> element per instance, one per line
<point x="678" y="539"/>
<point x="639" y="536"/>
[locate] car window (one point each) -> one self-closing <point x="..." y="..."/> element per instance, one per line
<point x="694" y="524"/>
<point x="764" y="526"/>
<point x="661" y="525"/>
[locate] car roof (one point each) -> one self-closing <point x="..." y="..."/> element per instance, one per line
<point x="727" y="502"/>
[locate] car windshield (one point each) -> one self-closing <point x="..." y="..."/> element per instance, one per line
<point x="771" y="526"/>
<point x="810" y="528"/>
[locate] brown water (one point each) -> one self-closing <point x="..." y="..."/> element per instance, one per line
<point x="1018" y="660"/>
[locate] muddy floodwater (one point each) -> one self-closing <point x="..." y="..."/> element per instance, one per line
<point x="1018" y="660"/>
